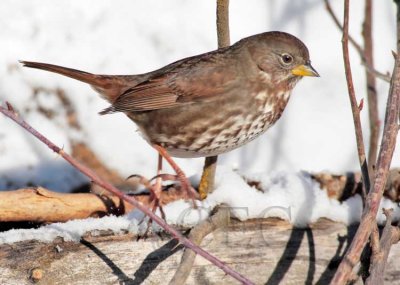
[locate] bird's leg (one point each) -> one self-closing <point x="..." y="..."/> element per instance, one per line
<point x="155" y="193"/>
<point x="156" y="189"/>
<point x="181" y="177"/>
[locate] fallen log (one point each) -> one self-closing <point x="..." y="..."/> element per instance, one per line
<point x="267" y="251"/>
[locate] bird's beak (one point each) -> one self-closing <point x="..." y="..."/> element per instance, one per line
<point x="305" y="70"/>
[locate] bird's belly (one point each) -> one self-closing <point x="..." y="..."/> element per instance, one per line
<point x="205" y="131"/>
<point x="217" y="138"/>
<point x="209" y="145"/>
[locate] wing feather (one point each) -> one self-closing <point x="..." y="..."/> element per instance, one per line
<point x="184" y="82"/>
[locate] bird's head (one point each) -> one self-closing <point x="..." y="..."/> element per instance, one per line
<point x="281" y="57"/>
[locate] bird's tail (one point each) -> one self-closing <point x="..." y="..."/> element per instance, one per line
<point x="108" y="86"/>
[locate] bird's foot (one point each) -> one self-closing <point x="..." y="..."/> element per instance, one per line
<point x="180" y="176"/>
<point x="186" y="188"/>
<point x="155" y="190"/>
<point x="155" y="201"/>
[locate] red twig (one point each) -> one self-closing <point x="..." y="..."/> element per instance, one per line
<point x="374" y="124"/>
<point x="353" y="101"/>
<point x="384" y="159"/>
<point x="10" y="113"/>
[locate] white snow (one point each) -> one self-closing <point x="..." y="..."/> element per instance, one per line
<point x="289" y="196"/>
<point x="71" y="230"/>
<point x="315" y="133"/>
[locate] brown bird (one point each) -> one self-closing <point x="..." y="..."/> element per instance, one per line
<point x="207" y="104"/>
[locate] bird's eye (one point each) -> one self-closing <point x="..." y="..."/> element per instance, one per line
<point x="286" y="58"/>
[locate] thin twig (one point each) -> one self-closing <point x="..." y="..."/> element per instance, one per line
<point x="219" y="219"/>
<point x="374" y="122"/>
<point x="383" y="76"/>
<point x="388" y="144"/>
<point x="358" y="48"/>
<point x="353" y="101"/>
<point x="335" y="19"/>
<point x="369" y="253"/>
<point x="223" y="23"/>
<point x="206" y="185"/>
<point x="371" y="88"/>
<point x="375" y="247"/>
<point x="110" y="188"/>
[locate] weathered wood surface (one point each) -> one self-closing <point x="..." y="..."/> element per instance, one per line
<point x="267" y="251"/>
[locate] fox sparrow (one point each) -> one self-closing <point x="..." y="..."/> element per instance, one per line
<point x="207" y="104"/>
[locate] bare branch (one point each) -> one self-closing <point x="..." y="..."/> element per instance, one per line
<point x="33" y="204"/>
<point x="210" y="165"/>
<point x="218" y="220"/>
<point x="374" y="122"/>
<point x="358" y="48"/>
<point x="375" y="240"/>
<point x="384" y="159"/>
<point x="371" y="87"/>
<point x="223" y="23"/>
<point x="382" y="76"/>
<point x="110" y="188"/>
<point x="390" y="236"/>
<point x="353" y="100"/>
<point x="335" y="19"/>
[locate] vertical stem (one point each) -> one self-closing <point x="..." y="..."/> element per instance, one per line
<point x="223" y="23"/>
<point x="208" y="176"/>
<point x="371" y="87"/>
<point x="210" y="165"/>
<point x="398" y="24"/>
<point x="353" y="100"/>
<point x="374" y="124"/>
<point x="158" y="184"/>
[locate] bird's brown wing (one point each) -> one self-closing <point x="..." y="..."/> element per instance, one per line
<point x="192" y="80"/>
